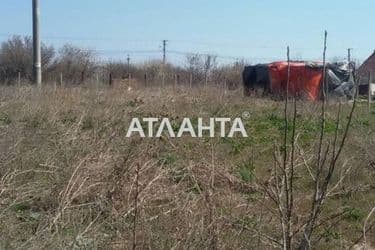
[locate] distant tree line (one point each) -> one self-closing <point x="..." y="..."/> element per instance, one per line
<point x="77" y="66"/>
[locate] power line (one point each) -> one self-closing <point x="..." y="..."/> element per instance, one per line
<point x="207" y="54"/>
<point x="212" y="44"/>
<point x="77" y="38"/>
<point x="163" y="50"/>
<point x="124" y="51"/>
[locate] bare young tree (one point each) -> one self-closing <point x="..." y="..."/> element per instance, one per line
<point x="321" y="166"/>
<point x="210" y="63"/>
<point x="76" y="64"/>
<point x="195" y="67"/>
<point x="16" y="58"/>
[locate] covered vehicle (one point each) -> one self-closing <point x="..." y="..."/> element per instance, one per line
<point x="305" y="79"/>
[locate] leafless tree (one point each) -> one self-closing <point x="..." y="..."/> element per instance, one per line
<point x="210" y="63"/>
<point x="16" y="58"/>
<point x="321" y="166"/>
<point x="75" y="64"/>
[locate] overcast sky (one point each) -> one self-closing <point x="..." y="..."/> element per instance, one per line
<point x="257" y="30"/>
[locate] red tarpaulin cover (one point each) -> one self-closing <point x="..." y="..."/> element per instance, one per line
<point x="304" y="80"/>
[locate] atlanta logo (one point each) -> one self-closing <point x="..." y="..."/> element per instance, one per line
<point x="156" y="127"/>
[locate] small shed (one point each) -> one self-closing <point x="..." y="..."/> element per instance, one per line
<point x="366" y="70"/>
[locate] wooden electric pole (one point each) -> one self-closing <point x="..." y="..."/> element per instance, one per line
<point x="164" y="51"/>
<point x="350" y="65"/>
<point x="128" y="60"/>
<point x="349" y="55"/>
<point x="37" y="64"/>
<point x="164" y="61"/>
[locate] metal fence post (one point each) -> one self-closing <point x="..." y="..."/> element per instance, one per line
<point x="110" y="79"/>
<point x="61" y="79"/>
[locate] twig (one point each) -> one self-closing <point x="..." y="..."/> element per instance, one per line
<point x="136" y="206"/>
<point x="365" y="225"/>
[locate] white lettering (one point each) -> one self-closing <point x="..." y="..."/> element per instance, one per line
<point x="150" y="122"/>
<point x="222" y="125"/>
<point x="165" y="123"/>
<point x="186" y="127"/>
<point x="210" y="127"/>
<point x="237" y="127"/>
<point x="135" y="127"/>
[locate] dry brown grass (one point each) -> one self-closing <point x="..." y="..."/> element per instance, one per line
<point x="68" y="176"/>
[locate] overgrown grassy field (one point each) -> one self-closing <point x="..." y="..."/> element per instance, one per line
<point x="70" y="179"/>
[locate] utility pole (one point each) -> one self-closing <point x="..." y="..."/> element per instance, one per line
<point x="349" y="55"/>
<point x="355" y="89"/>
<point x="164" y="61"/>
<point x="37" y="65"/>
<point x="164" y="51"/>
<point x="128" y="60"/>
